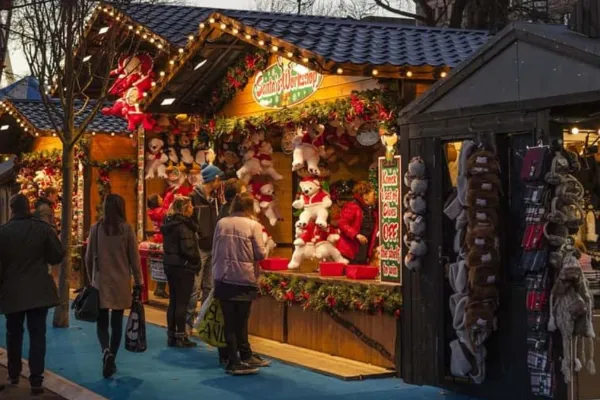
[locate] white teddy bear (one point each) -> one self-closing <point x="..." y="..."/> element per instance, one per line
<point x="308" y="148"/>
<point x="264" y="154"/>
<point x="251" y="165"/>
<point x="269" y="242"/>
<point x="264" y="201"/>
<point x="303" y="246"/>
<point x="314" y="203"/>
<point x="325" y="249"/>
<point x="156" y="159"/>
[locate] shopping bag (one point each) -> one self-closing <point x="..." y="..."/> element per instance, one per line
<point x="204" y="308"/>
<point x="87" y="304"/>
<point x="135" y="336"/>
<point x="211" y="329"/>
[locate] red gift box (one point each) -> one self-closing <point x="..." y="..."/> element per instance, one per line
<point x="274" y="264"/>
<point x="331" y="269"/>
<point x="361" y="272"/>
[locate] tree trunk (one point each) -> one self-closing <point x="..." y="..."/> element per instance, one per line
<point x="61" y="314"/>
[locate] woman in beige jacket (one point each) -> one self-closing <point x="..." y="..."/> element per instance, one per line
<point x="111" y="258"/>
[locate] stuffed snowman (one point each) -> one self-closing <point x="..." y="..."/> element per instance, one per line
<point x="314" y="202"/>
<point x="156" y="159"/>
<point x="308" y="148"/>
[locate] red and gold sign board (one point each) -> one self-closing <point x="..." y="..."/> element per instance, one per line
<point x="390" y="219"/>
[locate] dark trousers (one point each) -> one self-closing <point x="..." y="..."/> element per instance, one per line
<point x="181" y="285"/>
<point x="236" y="314"/>
<point x="36" y="326"/>
<point x="110" y="342"/>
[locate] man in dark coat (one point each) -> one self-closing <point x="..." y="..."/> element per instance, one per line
<point x="27" y="290"/>
<point x="206" y="210"/>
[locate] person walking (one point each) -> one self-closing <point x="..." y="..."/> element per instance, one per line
<point x="181" y="261"/>
<point x="111" y="258"/>
<point x="237" y="248"/>
<point x="45" y="205"/>
<point x="206" y="210"/>
<point x="27" y="290"/>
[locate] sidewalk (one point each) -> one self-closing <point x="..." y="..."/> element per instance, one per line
<point x="22" y="391"/>
<point x="167" y="373"/>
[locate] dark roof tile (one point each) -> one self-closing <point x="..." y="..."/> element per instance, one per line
<point x="37" y="115"/>
<point x="369" y="42"/>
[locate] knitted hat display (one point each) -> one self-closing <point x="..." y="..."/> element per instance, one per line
<point x="415" y="207"/>
<point x="418" y="186"/>
<point x="558" y="168"/>
<point x="416" y="167"/>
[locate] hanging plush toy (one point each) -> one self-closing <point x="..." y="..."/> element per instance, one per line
<point x="184" y="149"/>
<point x="201" y="146"/>
<point x="132" y="71"/>
<point x="314" y="202"/>
<point x="308" y="148"/>
<point x="156" y="159"/>
<point x="263" y="198"/>
<point x="269" y="242"/>
<point x="251" y="166"/>
<point x="264" y="153"/>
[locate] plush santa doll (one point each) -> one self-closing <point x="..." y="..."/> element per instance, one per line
<point x="132" y="71"/>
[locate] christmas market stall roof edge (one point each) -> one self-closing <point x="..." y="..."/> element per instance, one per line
<point x="36" y="114"/>
<point x="341" y="40"/>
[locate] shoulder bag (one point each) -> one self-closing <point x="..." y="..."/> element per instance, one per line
<point x="87" y="303"/>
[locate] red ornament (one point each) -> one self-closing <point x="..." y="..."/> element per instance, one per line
<point x="306" y="296"/>
<point x="397" y="313"/>
<point x="251" y="61"/>
<point x="283" y="284"/>
<point x="357" y="305"/>
<point x="331" y="301"/>
<point x="289" y="296"/>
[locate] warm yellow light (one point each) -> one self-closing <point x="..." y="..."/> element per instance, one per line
<point x="172" y="62"/>
<point x="118" y="18"/>
<point x="340" y="71"/>
<point x="212" y="20"/>
<point x="202" y="26"/>
<point x="235" y="31"/>
<point x="162" y="73"/>
<point x="248" y="37"/>
<point x="223" y="26"/>
<point x="144" y="36"/>
<point x="131" y="135"/>
<point x="290" y="54"/>
<point x="575" y="131"/>
<point x="37" y="134"/>
<point x="261" y="42"/>
<point x="305" y="59"/>
<point x="153" y="84"/>
<point x="275" y="48"/>
<point x="375" y="72"/>
<point x="138" y="31"/>
<point x="112" y="14"/>
<point x="93" y="133"/>
<point x="443" y="74"/>
<point x="54" y="134"/>
<point x="130" y="27"/>
<point x="152" y="40"/>
<point x="409" y="74"/>
<point x="112" y="134"/>
<point x="191" y="37"/>
<point x="180" y="51"/>
<point x="160" y="46"/>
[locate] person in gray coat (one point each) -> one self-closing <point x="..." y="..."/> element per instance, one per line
<point x="113" y="246"/>
<point x="26" y="288"/>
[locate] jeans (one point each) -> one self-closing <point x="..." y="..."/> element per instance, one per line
<point x="203" y="284"/>
<point x="236" y="315"/>
<point x="36" y="326"/>
<point x="116" y="324"/>
<point x="181" y="284"/>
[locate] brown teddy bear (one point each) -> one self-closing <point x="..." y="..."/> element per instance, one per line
<point x="485" y="182"/>
<point x="483" y="275"/>
<point x="483" y="162"/>
<point x="483" y="217"/>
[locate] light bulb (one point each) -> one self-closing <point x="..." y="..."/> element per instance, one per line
<point x="575" y="130"/>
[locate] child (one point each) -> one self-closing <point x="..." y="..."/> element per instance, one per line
<point x="157" y="213"/>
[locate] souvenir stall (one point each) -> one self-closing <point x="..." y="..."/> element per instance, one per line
<point x="311" y="134"/>
<point x="506" y="308"/>
<point x="38" y="166"/>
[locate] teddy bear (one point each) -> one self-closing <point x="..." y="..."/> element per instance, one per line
<point x="303" y="245"/>
<point x="308" y="149"/>
<point x="251" y="165"/>
<point x="263" y="198"/>
<point x="325" y="249"/>
<point x="263" y="152"/>
<point x="313" y="201"/>
<point x="268" y="241"/>
<point x="201" y="146"/>
<point x="185" y="151"/>
<point x="131" y="70"/>
<point x="171" y="142"/>
<point x="156" y="159"/>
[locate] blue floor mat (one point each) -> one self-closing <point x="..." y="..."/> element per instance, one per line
<point x="166" y="373"/>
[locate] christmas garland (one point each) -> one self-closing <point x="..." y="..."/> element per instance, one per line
<point x="236" y="79"/>
<point x="318" y="295"/>
<point x="103" y="179"/>
<point x="40" y="159"/>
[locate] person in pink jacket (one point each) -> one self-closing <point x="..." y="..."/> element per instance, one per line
<point x="237" y="248"/>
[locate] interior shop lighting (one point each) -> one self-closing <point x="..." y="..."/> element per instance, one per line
<point x="87" y="58"/>
<point x="168" y="101"/>
<point x="574" y="131"/>
<point x="409" y="74"/>
<point x="4" y="127"/>
<point x="443" y="74"/>
<point x="200" y="64"/>
<point x="103" y="30"/>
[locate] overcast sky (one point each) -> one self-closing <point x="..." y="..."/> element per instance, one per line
<point x="19" y="65"/>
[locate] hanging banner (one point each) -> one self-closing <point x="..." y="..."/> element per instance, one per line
<point x="285" y="84"/>
<point x="390" y="219"/>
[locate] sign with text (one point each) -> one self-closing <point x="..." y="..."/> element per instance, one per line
<point x="390" y="220"/>
<point x="285" y="84"/>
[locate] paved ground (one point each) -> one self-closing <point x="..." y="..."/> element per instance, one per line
<point x="22" y="391"/>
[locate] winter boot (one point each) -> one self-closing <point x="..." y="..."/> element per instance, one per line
<point x="171" y="342"/>
<point x="109" y="366"/>
<point x="182" y="342"/>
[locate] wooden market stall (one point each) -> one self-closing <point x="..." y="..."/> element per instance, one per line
<point x="544" y="91"/>
<point x="220" y="85"/>
<point x="105" y="163"/>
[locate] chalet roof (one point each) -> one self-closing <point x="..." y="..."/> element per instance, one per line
<point x="27" y="88"/>
<point x="339" y="40"/>
<point x="523" y="64"/>
<point x="36" y="114"/>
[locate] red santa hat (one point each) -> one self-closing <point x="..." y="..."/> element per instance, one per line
<point x="255" y="187"/>
<point x="312" y="179"/>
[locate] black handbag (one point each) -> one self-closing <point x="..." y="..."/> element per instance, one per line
<point x="87" y="303"/>
<point x="135" y="334"/>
